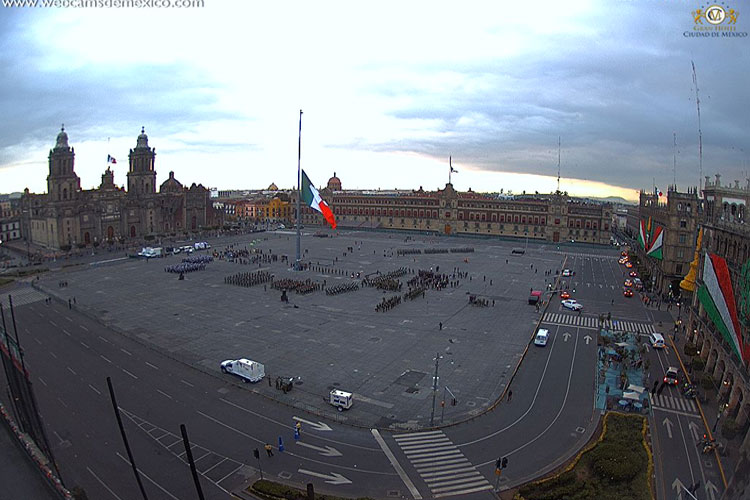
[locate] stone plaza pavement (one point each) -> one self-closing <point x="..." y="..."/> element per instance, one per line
<point x="387" y="359"/>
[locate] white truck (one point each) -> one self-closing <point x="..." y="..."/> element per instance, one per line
<point x="149" y="252"/>
<point x="247" y="370"/>
<point x="340" y="399"/>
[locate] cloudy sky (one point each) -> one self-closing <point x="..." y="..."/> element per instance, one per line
<point x="389" y="90"/>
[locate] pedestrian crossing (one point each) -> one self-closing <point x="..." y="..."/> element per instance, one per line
<point x="673" y="403"/>
<point x="214" y="467"/>
<point x="22" y="296"/>
<point x="441" y="464"/>
<point x="593" y="322"/>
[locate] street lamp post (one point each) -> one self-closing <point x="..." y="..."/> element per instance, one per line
<point x="434" y="389"/>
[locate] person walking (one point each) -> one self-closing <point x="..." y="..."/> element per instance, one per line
<point x="269" y="449"/>
<point x="441" y="325"/>
<point x="298" y="427"/>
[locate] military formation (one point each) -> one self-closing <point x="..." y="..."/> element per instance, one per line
<point x="338" y="289"/>
<point x="249" y="279"/>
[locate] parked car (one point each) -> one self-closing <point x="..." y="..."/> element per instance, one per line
<point x="572" y="304"/>
<point x="542" y="336"/>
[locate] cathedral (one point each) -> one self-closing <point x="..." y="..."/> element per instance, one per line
<point x="68" y="216"/>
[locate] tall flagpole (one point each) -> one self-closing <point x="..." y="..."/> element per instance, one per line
<point x="450" y="168"/>
<point x="298" y="262"/>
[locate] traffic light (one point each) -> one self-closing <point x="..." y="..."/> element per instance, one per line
<point x="256" y="453"/>
<point x="505" y="462"/>
<point x="499" y="463"/>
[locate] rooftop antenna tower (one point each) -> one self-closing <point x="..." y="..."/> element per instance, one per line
<point x="558" y="164"/>
<point x="700" y="134"/>
<point x="674" y="162"/>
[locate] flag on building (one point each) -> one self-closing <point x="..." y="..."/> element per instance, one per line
<point x="717" y="298"/>
<point x="450" y="162"/>
<point x="111" y="159"/>
<point x="651" y="238"/>
<point x="311" y="198"/>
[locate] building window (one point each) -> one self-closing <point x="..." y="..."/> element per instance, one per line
<point x="683" y="238"/>
<point x="679" y="269"/>
<point x="683" y="224"/>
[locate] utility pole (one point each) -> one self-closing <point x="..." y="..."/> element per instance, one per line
<point x="434" y="389"/>
<point x="298" y="262"/>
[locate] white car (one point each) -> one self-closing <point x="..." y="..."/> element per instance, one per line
<point x="572" y="304"/>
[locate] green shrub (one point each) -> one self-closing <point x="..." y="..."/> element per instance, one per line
<point x="614" y="463"/>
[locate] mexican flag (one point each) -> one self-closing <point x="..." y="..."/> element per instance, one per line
<point x="717" y="298"/>
<point x="311" y="198"/>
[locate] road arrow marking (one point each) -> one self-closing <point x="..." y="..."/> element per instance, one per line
<point x="328" y="451"/>
<point x="668" y="424"/>
<point x="332" y="478"/>
<point x="319" y="426"/>
<point x="694" y="430"/>
<point x="566" y="336"/>
<point x="677" y="485"/>
<point x="588" y="339"/>
<point x="711" y="489"/>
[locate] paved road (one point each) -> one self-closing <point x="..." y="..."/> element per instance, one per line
<point x="550" y="416"/>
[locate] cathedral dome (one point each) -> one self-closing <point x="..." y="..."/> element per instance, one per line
<point x="334" y="183"/>
<point x="62" y="139"/>
<point x="142" y="139"/>
<point x="171" y="185"/>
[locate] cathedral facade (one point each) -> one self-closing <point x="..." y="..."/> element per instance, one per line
<point x="68" y="216"/>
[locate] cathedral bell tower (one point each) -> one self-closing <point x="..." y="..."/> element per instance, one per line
<point x="62" y="182"/>
<point x="142" y="176"/>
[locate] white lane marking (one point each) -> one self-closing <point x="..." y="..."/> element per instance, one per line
<point x="187" y="383"/>
<point x="38" y="341"/>
<point x="235" y="470"/>
<point x="84" y="328"/>
<point x="53" y="354"/>
<point x="68" y="319"/>
<point x="103" y="484"/>
<point x="103" y="339"/>
<point x="164" y="393"/>
<point x="95" y="389"/>
<point x="152" y="366"/>
<point x="63" y="402"/>
<point x="71" y="371"/>
<point x="144" y="475"/>
<point x="126" y="352"/>
<point x="123" y="369"/>
<point x="84" y="345"/>
<point x="104" y="358"/>
<point x="66" y="332"/>
<point x="43" y="382"/>
<point x="397" y="466"/>
<point x="52" y="323"/>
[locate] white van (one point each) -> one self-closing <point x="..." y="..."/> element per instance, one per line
<point x="247" y="370"/>
<point x="542" y="336"/>
<point x="656" y="340"/>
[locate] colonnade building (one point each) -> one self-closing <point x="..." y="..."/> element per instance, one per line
<point x="552" y="218"/>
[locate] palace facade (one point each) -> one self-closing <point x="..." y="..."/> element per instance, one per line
<point x="553" y="218"/>
<point x="68" y="216"/>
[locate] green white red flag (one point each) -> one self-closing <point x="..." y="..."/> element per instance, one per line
<point x="312" y="199"/>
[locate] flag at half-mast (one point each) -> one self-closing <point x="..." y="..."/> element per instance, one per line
<point x="312" y="199"/>
<point x="111" y="159"/>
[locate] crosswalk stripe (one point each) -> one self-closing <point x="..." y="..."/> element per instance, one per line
<point x="433" y="454"/>
<point x="22" y="296"/>
<point x="464" y="476"/>
<point x="448" y="464"/>
<point x="478" y="482"/>
<point x="444" y="472"/>
<point x="476" y="476"/>
<point x="441" y="465"/>
<point x="426" y="444"/>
